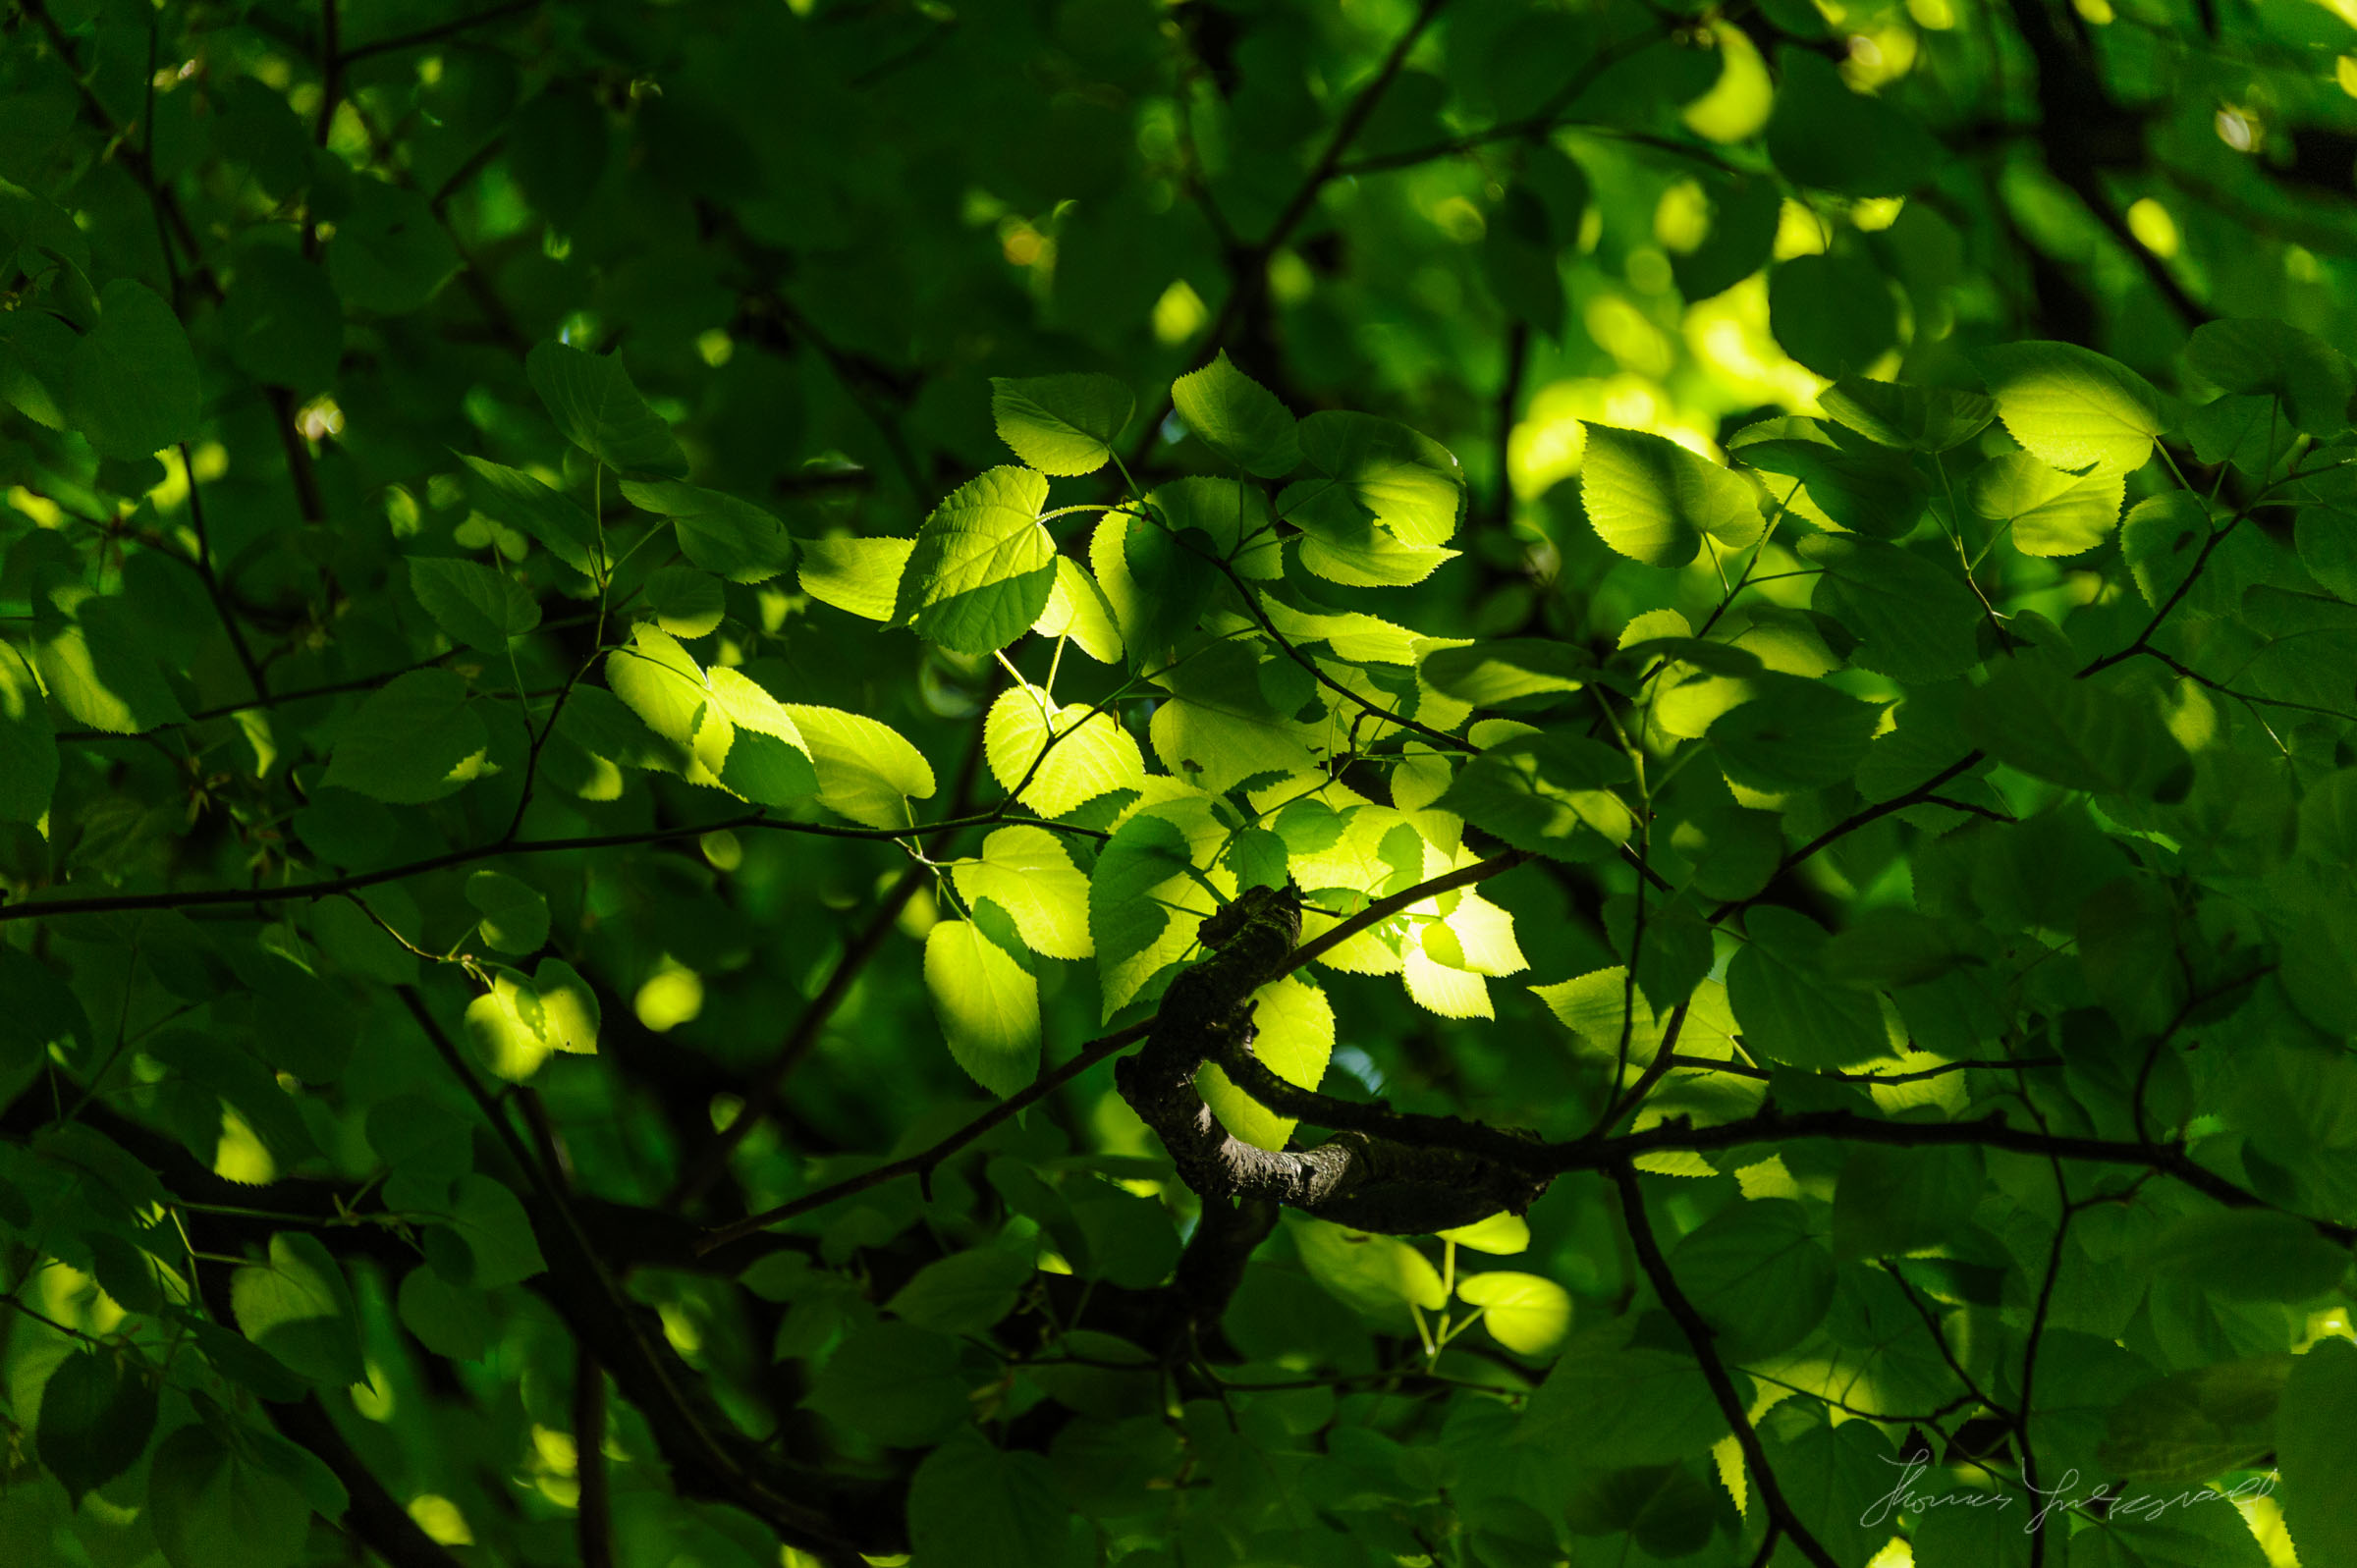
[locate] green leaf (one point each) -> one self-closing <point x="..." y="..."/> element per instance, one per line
<point x="1495" y="674"/>
<point x="721" y="533"/>
<point x="515" y="912"/>
<point x="1915" y="621"/>
<point x="686" y="602"/>
<point x="2312" y="1442"/>
<point x="520" y="501"/>
<point x="28" y="743"/>
<point x="1743" y="214"/>
<point x="2161" y="539"/>
<point x="1376" y="1276"/>
<point x="212" y="1506"/>
<point x="1894" y="1201"/>
<point x="497" y="1231"/>
<point x="97" y="1412"/>
<point x="1858" y="487"/>
<point x="1143" y="877"/>
<point x="660" y="683"/>
<point x="479" y="606"/>
<point x="390" y="253"/>
<point x="1079" y="753"/>
<point x="597" y="407"/>
<point x="1652" y="501"/>
<point x="1826" y="136"/>
<point x="1156" y="582"/>
<point x="1548" y="793"/>
<point x="1027" y="872"/>
<point x="2326" y="540"/>
<point x="1833" y="312"/>
<point x="858" y="577"/>
<point x="97" y="661"/>
<point x="1077" y="608"/>
<point x="896" y="1382"/>
<point x="1665" y="1509"/>
<point x="1502" y="1235"/>
<point x="1785" y="1007"/>
<point x="506" y="1026"/>
<point x="2274" y="358"/>
<point x="298" y="1307"/>
<point x="769" y="761"/>
<point x="1237" y="418"/>
<point x="1219" y="728"/>
<point x="2186" y="1428"/>
<point x="2251" y="433"/>
<point x="964" y="1293"/>
<point x="1608" y="1403"/>
<point x="2073" y="407"/>
<point x="970" y="1503"/>
<point x="2074" y="733"/>
<point x="2053" y="513"/>
<point x="1065" y="426"/>
<point x="867" y="772"/>
<point x="570" y="1014"/>
<point x="1927" y="419"/>
<point x="417" y="739"/>
<point x="451" y="1321"/>
<point x="282" y="321"/>
<point x="2204" y="1535"/>
<point x="982" y="567"/>
<point x="1294" y="1039"/>
<point x="1528" y="1315"/>
<point x="2248" y="1255"/>
<point x="131" y="382"/>
<point x="1792" y="734"/>
<point x="1341" y="543"/>
<point x="1757" y="1276"/>
<point x="1408" y="483"/>
<point x="987" y="1003"/>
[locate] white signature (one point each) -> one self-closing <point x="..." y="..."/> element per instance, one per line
<point x="2146" y="1506"/>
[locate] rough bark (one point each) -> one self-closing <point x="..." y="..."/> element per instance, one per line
<point x="1363" y="1180"/>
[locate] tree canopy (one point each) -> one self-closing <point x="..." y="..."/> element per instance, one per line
<point x="1452" y="784"/>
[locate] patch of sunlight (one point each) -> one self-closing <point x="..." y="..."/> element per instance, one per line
<point x="40" y="509"/>
<point x="671" y="996"/>
<point x="2154" y="228"/>
<point x="1546" y="448"/>
<point x="1879" y="56"/>
<point x="2331" y="1324"/>
<point x="1873" y="213"/>
<point x="686" y="1335"/>
<point x="1800" y="231"/>
<point x="2264" y="1516"/>
<point x="69" y="1296"/>
<point x="241" y="1155"/>
<point x="1629" y="336"/>
<point x="723" y="849"/>
<point x="441" y="1520"/>
<point x="1681" y="218"/>
<point x="373" y="1399"/>
<point x="1729" y="333"/>
<point x="1895" y="1553"/>
<point x="1459" y="220"/>
<point x="1178" y="314"/>
<point x="1933" y="15"/>
<point x="558" y="1453"/>
<point x="2344" y="72"/>
<point x="1740" y="102"/>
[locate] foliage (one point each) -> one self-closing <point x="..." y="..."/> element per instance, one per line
<point x="636" y="641"/>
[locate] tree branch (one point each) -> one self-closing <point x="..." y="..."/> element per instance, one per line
<point x="1714" y="1370"/>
